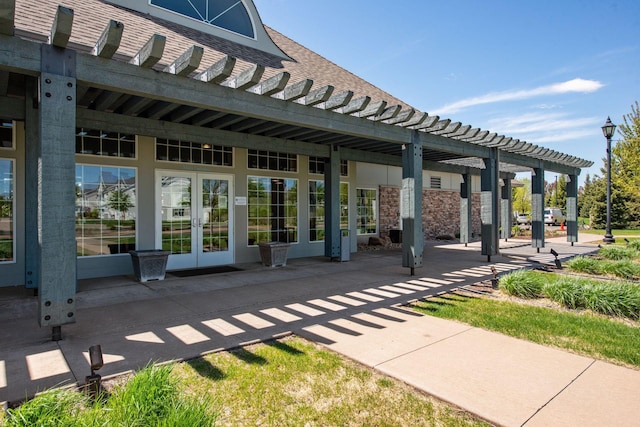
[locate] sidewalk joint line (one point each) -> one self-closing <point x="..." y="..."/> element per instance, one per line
<point x="560" y="392"/>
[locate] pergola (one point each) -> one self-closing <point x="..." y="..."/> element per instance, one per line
<point x="55" y="88"/>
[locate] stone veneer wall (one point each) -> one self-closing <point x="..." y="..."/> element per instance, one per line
<point x="440" y="212"/>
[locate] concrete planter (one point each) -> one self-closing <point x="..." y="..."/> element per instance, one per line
<point x="149" y="264"/>
<point x="274" y="254"/>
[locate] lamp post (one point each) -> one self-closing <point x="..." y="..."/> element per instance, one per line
<point x="608" y="129"/>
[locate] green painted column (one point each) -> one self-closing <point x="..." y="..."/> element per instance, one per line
<point x="537" y="208"/>
<point x="332" y="204"/>
<point x="489" y="208"/>
<point x="412" y="234"/>
<point x="32" y="154"/>
<point x="466" y="225"/>
<point x="572" y="208"/>
<point x="506" y="215"/>
<point x="56" y="188"/>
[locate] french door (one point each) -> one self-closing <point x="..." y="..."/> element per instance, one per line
<point x="194" y="218"/>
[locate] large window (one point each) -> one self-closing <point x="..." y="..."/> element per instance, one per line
<point x="105" y="210"/>
<point x="101" y="143"/>
<point x="272" y="160"/>
<point x="367" y="210"/>
<point x="316" y="165"/>
<point x="6" y="133"/>
<point x="227" y="14"/>
<point x="7" y="238"/>
<point x="316" y="209"/>
<point x="193" y="152"/>
<point x="272" y="210"/>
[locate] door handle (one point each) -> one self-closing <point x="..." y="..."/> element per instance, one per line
<point x="194" y="223"/>
<point x="200" y="222"/>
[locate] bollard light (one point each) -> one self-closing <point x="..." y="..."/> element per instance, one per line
<point x="557" y="261"/>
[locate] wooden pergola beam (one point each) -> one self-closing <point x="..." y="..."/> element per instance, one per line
<point x="317" y="96"/>
<point x="187" y="62"/>
<point x="61" y="28"/>
<point x="249" y="77"/>
<point x="355" y="105"/>
<point x="109" y="40"/>
<point x="401" y="117"/>
<point x="372" y="109"/>
<point x="337" y="101"/>
<point x="295" y="91"/>
<point x="150" y="53"/>
<point x="272" y="85"/>
<point x="387" y="113"/>
<point x="219" y="71"/>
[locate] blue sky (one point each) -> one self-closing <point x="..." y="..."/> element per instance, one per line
<point x="547" y="72"/>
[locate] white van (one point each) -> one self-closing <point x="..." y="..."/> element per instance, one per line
<point x="553" y="216"/>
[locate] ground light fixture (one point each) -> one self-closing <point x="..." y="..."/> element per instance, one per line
<point x="557" y="261"/>
<point x="93" y="381"/>
<point x="608" y="129"/>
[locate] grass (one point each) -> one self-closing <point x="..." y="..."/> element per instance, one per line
<point x="293" y="382"/>
<point x="152" y="397"/>
<point x="583" y="333"/>
<point x="621" y="232"/>
<point x="290" y="382"/>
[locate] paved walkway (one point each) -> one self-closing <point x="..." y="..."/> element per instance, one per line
<point x="353" y="307"/>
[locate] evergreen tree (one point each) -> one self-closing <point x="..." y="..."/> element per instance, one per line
<point x="625" y="163"/>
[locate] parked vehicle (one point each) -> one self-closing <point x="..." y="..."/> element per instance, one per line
<point x="523" y="219"/>
<point x="553" y="216"/>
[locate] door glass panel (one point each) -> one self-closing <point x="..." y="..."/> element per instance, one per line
<point x="215" y="215"/>
<point x="176" y="214"/>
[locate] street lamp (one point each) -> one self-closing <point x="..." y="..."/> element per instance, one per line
<point x="608" y="129"/>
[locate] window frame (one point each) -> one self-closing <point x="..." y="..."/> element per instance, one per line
<point x="269" y="218"/>
<point x="358" y="211"/>
<point x="12" y="192"/>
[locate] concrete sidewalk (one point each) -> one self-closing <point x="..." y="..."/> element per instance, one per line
<point x="353" y="307"/>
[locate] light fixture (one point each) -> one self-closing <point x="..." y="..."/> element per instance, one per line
<point x="93" y="381"/>
<point x="557" y="261"/>
<point x="206" y="146"/>
<point x="607" y="130"/>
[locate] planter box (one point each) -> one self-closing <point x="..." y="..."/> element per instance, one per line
<point x="149" y="264"/>
<point x="274" y="254"/>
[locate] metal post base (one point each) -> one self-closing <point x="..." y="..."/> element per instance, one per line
<point x="56" y="333"/>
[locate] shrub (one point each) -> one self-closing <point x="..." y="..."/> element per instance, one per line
<point x="618" y="253"/>
<point x="583" y="264"/>
<point x="625" y="269"/>
<point x="522" y="283"/>
<point x="614" y="299"/>
<point x="567" y="291"/>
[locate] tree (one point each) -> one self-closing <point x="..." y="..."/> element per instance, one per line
<point x="521" y="196"/>
<point x="625" y="162"/>
<point x="120" y="201"/>
<point x="594" y="205"/>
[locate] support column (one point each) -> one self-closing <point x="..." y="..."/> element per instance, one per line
<point x="572" y="209"/>
<point x="489" y="208"/>
<point x="506" y="215"/>
<point x="56" y="188"/>
<point x="412" y="235"/>
<point x="537" y="208"/>
<point x="466" y="225"/>
<point x="32" y="154"/>
<point x="332" y="204"/>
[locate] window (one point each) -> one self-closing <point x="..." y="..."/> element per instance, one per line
<point x="227" y="14"/>
<point x="100" y="143"/>
<point x="105" y="210"/>
<point x="272" y="210"/>
<point x="272" y="160"/>
<point x="367" y="210"/>
<point x="316" y="165"/>
<point x="316" y="209"/>
<point x="436" y="182"/>
<point x="6" y="133"/>
<point x="193" y="152"/>
<point x="7" y="239"/>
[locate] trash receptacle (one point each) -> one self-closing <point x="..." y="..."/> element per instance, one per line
<point x="345" y="245"/>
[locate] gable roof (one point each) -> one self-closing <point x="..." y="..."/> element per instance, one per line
<point x="443" y="141"/>
<point x="33" y="20"/>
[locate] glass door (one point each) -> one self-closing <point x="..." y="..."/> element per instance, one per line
<point x="195" y="218"/>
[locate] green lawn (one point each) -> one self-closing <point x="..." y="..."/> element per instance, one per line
<point x="580" y="332"/>
<point x="289" y="382"/>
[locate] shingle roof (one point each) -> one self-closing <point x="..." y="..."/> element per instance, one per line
<point x="33" y="19"/>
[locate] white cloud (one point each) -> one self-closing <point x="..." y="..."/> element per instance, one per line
<point x="575" y="85"/>
<point x="542" y="127"/>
